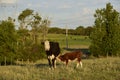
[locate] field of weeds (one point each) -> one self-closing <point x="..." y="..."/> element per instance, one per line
<point x="93" y="69"/>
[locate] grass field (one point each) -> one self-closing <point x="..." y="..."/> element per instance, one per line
<point x="93" y="69"/>
<point x="74" y="41"/>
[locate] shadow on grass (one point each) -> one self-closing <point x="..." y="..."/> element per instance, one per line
<point x="41" y="65"/>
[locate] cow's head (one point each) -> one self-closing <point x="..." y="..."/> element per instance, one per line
<point x="46" y="45"/>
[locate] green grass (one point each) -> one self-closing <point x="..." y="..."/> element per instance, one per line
<point x="75" y="41"/>
<point x="93" y="69"/>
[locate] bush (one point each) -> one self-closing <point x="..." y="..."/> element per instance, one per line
<point x="33" y="53"/>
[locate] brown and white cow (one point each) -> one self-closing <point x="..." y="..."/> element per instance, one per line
<point x="76" y="55"/>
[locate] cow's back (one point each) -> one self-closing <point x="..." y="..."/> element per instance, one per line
<point x="54" y="49"/>
<point x="73" y="55"/>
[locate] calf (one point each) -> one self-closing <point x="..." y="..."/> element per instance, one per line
<point x="52" y="50"/>
<point x="76" y="55"/>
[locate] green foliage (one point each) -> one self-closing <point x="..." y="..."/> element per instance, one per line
<point x="25" y="14"/>
<point x="24" y="18"/>
<point x="28" y="43"/>
<point x="31" y="52"/>
<point x="7" y="41"/>
<point x="56" y="30"/>
<point x="78" y="31"/>
<point x="27" y="49"/>
<point x="44" y="28"/>
<point x="106" y="34"/>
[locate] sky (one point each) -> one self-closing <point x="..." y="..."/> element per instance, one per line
<point x="61" y="13"/>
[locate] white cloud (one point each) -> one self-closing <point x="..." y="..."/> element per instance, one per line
<point x="8" y="1"/>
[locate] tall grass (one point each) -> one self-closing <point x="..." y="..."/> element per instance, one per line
<point x="93" y="69"/>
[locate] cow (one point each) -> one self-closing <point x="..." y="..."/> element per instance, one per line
<point x="70" y="56"/>
<point x="52" y="50"/>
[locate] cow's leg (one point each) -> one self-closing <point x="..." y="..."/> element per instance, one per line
<point x="54" y="63"/>
<point x="49" y="61"/>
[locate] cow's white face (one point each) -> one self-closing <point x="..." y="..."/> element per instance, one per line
<point x="47" y="46"/>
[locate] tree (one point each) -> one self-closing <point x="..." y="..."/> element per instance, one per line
<point x="31" y="25"/>
<point x="7" y="41"/>
<point x="44" y="28"/>
<point x="24" y="18"/>
<point x="80" y="30"/>
<point x="105" y="37"/>
<point x="35" y="25"/>
<point x="88" y="30"/>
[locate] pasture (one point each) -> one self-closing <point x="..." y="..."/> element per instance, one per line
<point x="93" y="69"/>
<point x="74" y="41"/>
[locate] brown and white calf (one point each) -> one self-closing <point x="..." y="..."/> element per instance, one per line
<point x="76" y="55"/>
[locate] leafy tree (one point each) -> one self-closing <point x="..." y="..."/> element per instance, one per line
<point x="35" y="25"/>
<point x="7" y="41"/>
<point x="24" y="18"/>
<point x="88" y="30"/>
<point x="11" y="19"/>
<point x="80" y="30"/>
<point x="71" y="31"/>
<point x="28" y="45"/>
<point x="106" y="34"/>
<point x="44" y="28"/>
<point x="34" y="21"/>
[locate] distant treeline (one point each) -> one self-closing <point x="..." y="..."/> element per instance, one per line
<point x="81" y="30"/>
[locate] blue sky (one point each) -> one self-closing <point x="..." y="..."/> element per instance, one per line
<point x="62" y="13"/>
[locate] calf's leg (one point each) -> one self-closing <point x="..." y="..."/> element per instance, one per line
<point x="67" y="62"/>
<point x="79" y="62"/>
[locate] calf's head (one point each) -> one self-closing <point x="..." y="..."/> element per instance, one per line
<point x="60" y="58"/>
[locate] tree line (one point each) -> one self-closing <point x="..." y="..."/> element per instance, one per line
<point x="24" y="42"/>
<point x="80" y="30"/>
